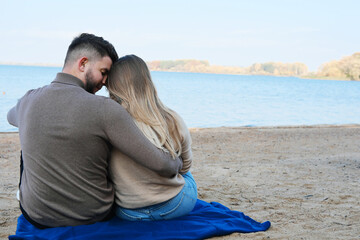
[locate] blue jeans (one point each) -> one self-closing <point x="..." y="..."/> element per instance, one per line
<point x="180" y="205"/>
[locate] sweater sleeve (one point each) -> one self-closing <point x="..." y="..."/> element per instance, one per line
<point x="12" y="117"/>
<point x="13" y="114"/>
<point x="186" y="141"/>
<point x="126" y="136"/>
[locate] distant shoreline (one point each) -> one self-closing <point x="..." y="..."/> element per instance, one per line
<point x="343" y="69"/>
<point x="307" y="76"/>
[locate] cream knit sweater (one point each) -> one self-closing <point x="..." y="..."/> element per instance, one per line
<point x="137" y="186"/>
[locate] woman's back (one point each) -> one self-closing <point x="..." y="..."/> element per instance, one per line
<point x="137" y="187"/>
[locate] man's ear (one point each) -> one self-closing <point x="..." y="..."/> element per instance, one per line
<point x="82" y="62"/>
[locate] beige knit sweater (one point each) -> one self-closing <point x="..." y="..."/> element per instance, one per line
<point x="137" y="186"/>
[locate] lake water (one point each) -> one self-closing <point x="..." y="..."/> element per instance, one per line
<point x="214" y="100"/>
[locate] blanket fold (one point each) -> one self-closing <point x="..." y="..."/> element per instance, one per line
<point x="206" y="220"/>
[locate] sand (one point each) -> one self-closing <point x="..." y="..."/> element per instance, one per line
<point x="305" y="180"/>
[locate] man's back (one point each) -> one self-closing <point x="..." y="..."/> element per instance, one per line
<point x="65" y="154"/>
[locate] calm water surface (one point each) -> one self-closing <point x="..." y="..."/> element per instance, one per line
<point x="214" y="100"/>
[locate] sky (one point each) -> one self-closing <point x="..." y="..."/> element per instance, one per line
<point x="227" y="33"/>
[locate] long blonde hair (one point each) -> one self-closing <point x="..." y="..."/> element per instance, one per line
<point x="129" y="83"/>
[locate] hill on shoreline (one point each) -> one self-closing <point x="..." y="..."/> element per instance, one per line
<point x="347" y="68"/>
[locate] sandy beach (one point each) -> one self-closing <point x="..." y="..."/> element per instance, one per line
<point x="305" y="180"/>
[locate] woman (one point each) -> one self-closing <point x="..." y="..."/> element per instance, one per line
<point x="142" y="194"/>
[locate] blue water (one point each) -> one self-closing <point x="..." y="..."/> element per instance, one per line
<point x="214" y="100"/>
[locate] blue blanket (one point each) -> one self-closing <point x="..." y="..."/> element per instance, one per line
<point x="206" y="220"/>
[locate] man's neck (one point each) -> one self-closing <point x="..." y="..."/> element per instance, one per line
<point x="72" y="71"/>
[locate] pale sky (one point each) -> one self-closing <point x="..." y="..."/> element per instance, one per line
<point x="229" y="33"/>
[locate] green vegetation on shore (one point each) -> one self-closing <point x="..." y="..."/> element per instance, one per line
<point x="348" y="68"/>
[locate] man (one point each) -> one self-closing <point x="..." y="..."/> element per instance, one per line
<point x="66" y="133"/>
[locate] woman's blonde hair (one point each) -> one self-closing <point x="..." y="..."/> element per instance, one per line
<point x="129" y="83"/>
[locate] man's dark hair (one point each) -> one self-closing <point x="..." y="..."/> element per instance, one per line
<point x="90" y="46"/>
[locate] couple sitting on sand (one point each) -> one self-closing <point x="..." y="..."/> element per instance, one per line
<point x="86" y="158"/>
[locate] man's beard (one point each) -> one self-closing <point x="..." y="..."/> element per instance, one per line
<point x="90" y="85"/>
